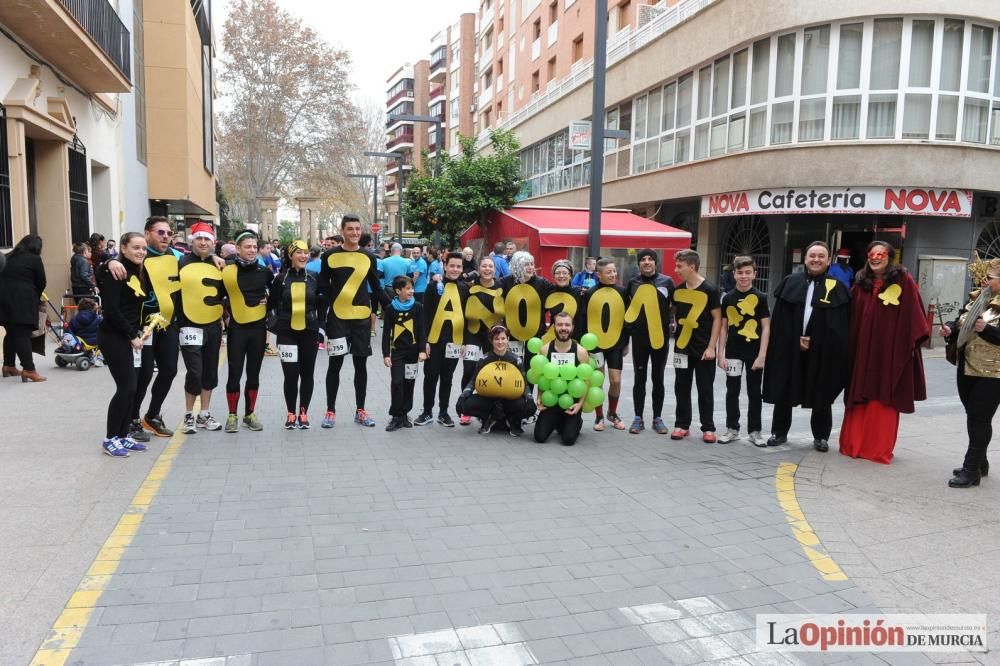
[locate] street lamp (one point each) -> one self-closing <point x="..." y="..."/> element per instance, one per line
<point x="399" y="185"/>
<point x="374" y="176"/>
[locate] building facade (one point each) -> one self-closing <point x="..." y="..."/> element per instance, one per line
<point x="763" y="126"/>
<point x="63" y="67"/>
<point x="407" y="92"/>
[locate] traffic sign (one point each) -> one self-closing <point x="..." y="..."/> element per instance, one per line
<point x="376" y="228"/>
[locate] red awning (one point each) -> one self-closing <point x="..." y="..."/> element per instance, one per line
<point x="569" y="227"/>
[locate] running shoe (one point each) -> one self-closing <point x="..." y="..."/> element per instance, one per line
<point x="757" y="439"/>
<point x="599" y="425"/>
<point x="487" y="425"/>
<point x="131" y="444"/>
<point x="731" y="435"/>
<point x="303" y="421"/>
<point x="208" y="422"/>
<point x="269" y="350"/>
<point x="394" y="424"/>
<point x="329" y="419"/>
<point x="361" y="418"/>
<point x="424" y="419"/>
<point x="407" y="423"/>
<point x="189" y="427"/>
<point x="464" y="419"/>
<point x="616" y="421"/>
<point x="445" y="420"/>
<point x="156" y="425"/>
<point x="113" y="448"/>
<point x="679" y="433"/>
<point x="136" y="431"/>
<point x="709" y="437"/>
<point x="638" y="425"/>
<point x="252" y="422"/>
<point x="232" y="423"/>
<point x="515" y="429"/>
<point x="659" y="427"/>
<point x="290" y="422"/>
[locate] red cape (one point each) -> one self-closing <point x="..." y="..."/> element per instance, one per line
<point x="884" y="353"/>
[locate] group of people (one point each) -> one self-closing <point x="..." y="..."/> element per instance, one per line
<point x="819" y="339"/>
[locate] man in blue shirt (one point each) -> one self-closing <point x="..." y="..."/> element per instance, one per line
<point x="502" y="268"/>
<point x="394" y="265"/>
<point x="418" y="271"/>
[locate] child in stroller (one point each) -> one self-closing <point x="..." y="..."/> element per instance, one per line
<point x="79" y="344"/>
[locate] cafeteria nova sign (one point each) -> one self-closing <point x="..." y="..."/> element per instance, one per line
<point x="840" y="200"/>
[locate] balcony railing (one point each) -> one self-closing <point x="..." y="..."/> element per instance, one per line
<point x="437" y="91"/>
<point x="406" y="137"/>
<point x="439" y="58"/>
<point x="101" y="22"/>
<point x="398" y="96"/>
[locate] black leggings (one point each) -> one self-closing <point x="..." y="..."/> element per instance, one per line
<point x="161" y="356"/>
<point x="117" y="352"/>
<point x="401" y="388"/>
<point x="513" y="410"/>
<point x="733" y="387"/>
<point x="299" y="376"/>
<point x="438" y="369"/>
<point x="245" y="345"/>
<point x="17" y="342"/>
<point x="980" y="396"/>
<point x="703" y="374"/>
<point x="333" y="380"/>
<point x="642" y="358"/>
<point x="554" y="419"/>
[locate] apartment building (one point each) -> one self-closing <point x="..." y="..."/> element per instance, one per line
<point x="762" y="126"/>
<point x="441" y="86"/>
<point x="63" y="67"/>
<point x="526" y="46"/>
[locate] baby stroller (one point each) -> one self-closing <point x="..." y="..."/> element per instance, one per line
<point x="72" y="350"/>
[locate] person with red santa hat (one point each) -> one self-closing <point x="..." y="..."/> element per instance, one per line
<point x="199" y="318"/>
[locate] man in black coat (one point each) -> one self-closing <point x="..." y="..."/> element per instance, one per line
<point x="807" y="351"/>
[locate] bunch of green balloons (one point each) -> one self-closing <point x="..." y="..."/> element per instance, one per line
<point x="564" y="385"/>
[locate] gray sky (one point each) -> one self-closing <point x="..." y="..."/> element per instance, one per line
<point x="380" y="34"/>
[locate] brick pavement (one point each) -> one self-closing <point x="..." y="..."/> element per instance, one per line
<point x="438" y="546"/>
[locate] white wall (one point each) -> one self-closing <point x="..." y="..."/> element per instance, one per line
<point x="134" y="181"/>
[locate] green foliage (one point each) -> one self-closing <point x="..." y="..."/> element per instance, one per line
<point x="229" y="226"/>
<point x="469" y="187"/>
<point x="287" y="232"/>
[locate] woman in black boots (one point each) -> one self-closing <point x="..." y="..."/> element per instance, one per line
<point x="21" y="287"/>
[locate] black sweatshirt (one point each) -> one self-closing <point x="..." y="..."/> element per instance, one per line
<point x="122" y="300"/>
<point x="403" y="331"/>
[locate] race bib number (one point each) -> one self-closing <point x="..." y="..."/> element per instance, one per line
<point x="136" y="358"/>
<point x="288" y="353"/>
<point x="516" y="348"/>
<point x="734" y="368"/>
<point x="410" y="371"/>
<point x="598" y="358"/>
<point x="451" y="350"/>
<point x="563" y="358"/>
<point x="336" y="346"/>
<point x="472" y="353"/>
<point x="148" y="341"/>
<point x="192" y="336"/>
<point x="680" y="361"/>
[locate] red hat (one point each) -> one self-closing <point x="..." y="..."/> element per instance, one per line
<point x="202" y="230"/>
<point x="844" y="252"/>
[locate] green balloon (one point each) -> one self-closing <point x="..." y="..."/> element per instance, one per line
<point x="584" y="371"/>
<point x="595" y="396"/>
<point x="567" y="372"/>
<point x="589" y="341"/>
<point x="538" y="363"/>
<point x="565" y="401"/>
<point x="588" y="408"/>
<point x="551" y="370"/>
<point x="576" y="388"/>
<point x="543" y="384"/>
<point x="533" y="345"/>
<point x="533" y="375"/>
<point x="549" y="399"/>
<point x="558" y="386"/>
<point x="597" y="378"/>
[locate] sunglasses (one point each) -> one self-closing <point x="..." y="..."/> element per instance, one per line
<point x="163" y="232"/>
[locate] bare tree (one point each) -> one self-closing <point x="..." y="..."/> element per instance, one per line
<point x="287" y="115"/>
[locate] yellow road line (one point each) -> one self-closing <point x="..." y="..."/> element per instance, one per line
<point x="72" y="622"/>
<point x="784" y="483"/>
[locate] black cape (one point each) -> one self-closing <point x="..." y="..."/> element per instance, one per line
<point x="815" y="377"/>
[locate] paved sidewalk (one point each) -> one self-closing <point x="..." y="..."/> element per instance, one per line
<point x="438" y="546"/>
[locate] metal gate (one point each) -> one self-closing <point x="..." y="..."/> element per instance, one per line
<point x="6" y="223"/>
<point x="79" y="214"/>
<point x="748" y="236"/>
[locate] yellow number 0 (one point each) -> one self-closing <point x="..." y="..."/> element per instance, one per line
<point x="698" y="300"/>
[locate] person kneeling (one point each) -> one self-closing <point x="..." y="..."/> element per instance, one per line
<point x="498" y="391"/>
<point x="563" y="350"/>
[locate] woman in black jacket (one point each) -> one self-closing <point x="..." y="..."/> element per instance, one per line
<point x="120" y="340"/>
<point x="293" y="306"/>
<point x="21" y="285"/>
